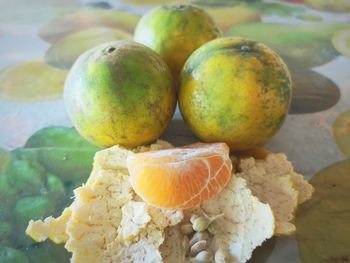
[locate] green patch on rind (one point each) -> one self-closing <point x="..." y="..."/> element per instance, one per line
<point x="271" y="76"/>
<point x="246" y="48"/>
<point x="121" y="80"/>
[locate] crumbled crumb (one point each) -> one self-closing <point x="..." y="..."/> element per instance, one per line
<point x="274" y="182"/>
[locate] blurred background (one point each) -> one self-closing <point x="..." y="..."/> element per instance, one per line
<point x="42" y="158"/>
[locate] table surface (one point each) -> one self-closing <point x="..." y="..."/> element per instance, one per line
<point x="39" y="42"/>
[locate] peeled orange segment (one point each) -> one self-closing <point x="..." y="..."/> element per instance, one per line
<point x="180" y="178"/>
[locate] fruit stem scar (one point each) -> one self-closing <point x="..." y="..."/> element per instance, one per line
<point x="110" y="49"/>
<point x="245" y="48"/>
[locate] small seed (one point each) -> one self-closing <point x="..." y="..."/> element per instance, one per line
<point x="198" y="247"/>
<point x="221" y="256"/>
<point x="187" y="229"/>
<point x="201" y="223"/>
<point x="198" y="237"/>
<point x="204" y="256"/>
<point x="193" y="217"/>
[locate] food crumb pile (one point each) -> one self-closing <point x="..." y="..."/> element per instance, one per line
<point x="108" y="222"/>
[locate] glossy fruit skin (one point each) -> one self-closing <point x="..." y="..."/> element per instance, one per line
<point x="121" y="93"/>
<point x="174" y="32"/>
<point x="236" y="91"/>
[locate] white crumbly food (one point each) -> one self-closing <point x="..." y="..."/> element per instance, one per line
<point x="108" y="223"/>
<point x="274" y="182"/>
<point x="304" y="188"/>
<point x="159" y="145"/>
<point x="165" y="217"/>
<point x="246" y="222"/>
<point x="145" y="249"/>
<point x="134" y="219"/>
<point x="93" y="228"/>
<point x="52" y="228"/>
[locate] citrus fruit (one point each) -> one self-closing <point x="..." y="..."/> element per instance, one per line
<point x="120" y="92"/>
<point x="174" y="32"/>
<point x="235" y="91"/>
<point x="341" y="42"/>
<point x="180" y="178"/>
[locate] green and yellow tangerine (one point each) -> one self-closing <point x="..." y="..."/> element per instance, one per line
<point x="174" y="32"/>
<point x="120" y="93"/>
<point x="236" y="91"/>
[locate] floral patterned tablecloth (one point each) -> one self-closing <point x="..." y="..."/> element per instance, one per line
<point x="42" y="158"/>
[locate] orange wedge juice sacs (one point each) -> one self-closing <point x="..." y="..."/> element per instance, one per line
<point x="180" y="178"/>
